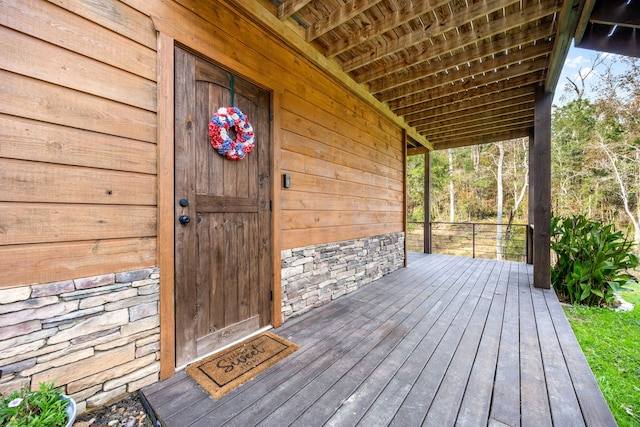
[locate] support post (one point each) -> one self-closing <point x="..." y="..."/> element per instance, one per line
<point x="427" y="202"/>
<point x="405" y="204"/>
<point x="531" y="202"/>
<point x="540" y="168"/>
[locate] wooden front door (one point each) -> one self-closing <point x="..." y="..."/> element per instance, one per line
<point x="223" y="253"/>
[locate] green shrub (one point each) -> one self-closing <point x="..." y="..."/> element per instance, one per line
<point x="593" y="260"/>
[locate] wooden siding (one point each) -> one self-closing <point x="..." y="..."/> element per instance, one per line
<point x="78" y="130"/>
<point x="345" y="160"/>
<point x="77" y="140"/>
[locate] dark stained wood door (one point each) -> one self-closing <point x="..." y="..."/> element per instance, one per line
<point x="223" y="254"/>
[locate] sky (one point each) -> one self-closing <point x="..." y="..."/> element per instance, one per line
<point x="580" y="61"/>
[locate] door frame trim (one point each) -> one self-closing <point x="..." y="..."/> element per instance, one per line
<point x="166" y="196"/>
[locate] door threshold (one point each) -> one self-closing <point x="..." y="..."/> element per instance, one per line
<point x="218" y="350"/>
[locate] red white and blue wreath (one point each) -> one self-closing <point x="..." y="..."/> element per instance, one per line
<point x="224" y="123"/>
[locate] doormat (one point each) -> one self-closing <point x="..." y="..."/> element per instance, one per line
<point x="222" y="372"/>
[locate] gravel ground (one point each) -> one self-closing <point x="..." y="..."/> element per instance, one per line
<point x="127" y="412"/>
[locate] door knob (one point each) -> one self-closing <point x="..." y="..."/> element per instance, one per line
<point x="184" y="219"/>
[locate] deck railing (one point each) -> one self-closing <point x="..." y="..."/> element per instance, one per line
<point x="473" y="239"/>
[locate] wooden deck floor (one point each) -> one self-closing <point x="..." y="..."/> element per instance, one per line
<point x="447" y="341"/>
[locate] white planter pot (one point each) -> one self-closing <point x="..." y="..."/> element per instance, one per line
<point x="72" y="410"/>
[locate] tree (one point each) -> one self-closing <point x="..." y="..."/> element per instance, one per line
<point x="500" y="197"/>
<point x="617" y="135"/>
<point x="572" y="129"/>
<point x="452" y="198"/>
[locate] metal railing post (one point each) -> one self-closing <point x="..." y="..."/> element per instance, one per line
<point x="473" y="239"/>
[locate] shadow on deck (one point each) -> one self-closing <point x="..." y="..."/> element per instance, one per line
<point x="446" y="341"/>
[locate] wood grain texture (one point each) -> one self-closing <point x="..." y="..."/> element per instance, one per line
<point x="42" y="20"/>
<point x="44" y="263"/>
<point x="324" y="128"/>
<point x="166" y="213"/>
<point x="116" y="16"/>
<point x="74" y="71"/>
<point x="24" y="223"/>
<point x="77" y="131"/>
<point x="39" y="182"/>
<point x="223" y="256"/>
<point x="47" y="102"/>
<point x="541" y="163"/>
<point x="431" y="344"/>
<point x="51" y="143"/>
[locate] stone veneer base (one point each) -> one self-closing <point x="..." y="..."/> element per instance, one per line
<point x="97" y="337"/>
<point x="314" y="275"/>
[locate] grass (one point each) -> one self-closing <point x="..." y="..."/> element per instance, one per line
<point x="611" y="342"/>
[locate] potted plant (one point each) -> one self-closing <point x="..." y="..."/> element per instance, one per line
<point x="46" y="407"/>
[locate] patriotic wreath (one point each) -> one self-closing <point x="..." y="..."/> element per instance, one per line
<point x="226" y="122"/>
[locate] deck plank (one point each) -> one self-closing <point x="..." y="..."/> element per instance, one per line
<point x="594" y="408"/>
<point x="305" y="385"/>
<point x="448" y="400"/>
<point x="505" y="403"/>
<point x="308" y="334"/>
<point x="383" y="410"/>
<point x="446" y="341"/>
<point x="420" y="398"/>
<point x="397" y="340"/>
<point x="476" y="402"/>
<point x="533" y="390"/>
<point x="564" y="406"/>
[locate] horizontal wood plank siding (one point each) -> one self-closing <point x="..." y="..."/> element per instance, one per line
<point x="77" y="140"/>
<point x="43" y="20"/>
<point x="336" y="151"/>
<point x="49" y="143"/>
<point x="78" y="128"/>
<point x="342" y="155"/>
<point x="39" y="262"/>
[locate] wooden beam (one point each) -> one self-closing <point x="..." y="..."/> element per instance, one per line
<point x="456" y="18"/>
<point x="497" y="125"/>
<point x="405" y="203"/>
<point x="166" y="202"/>
<point x="478" y="120"/>
<point x="417" y="151"/>
<point x="463" y="69"/>
<point x="458" y="93"/>
<point x="540" y="168"/>
<point x="473" y="125"/>
<point x="402" y="16"/>
<point x="506" y="23"/>
<point x="481" y="139"/>
<point x="617" y="12"/>
<point x="270" y="23"/>
<point x="472" y="107"/>
<point x="584" y="20"/>
<point x="469" y="79"/>
<point x="289" y="7"/>
<point x="427" y="203"/>
<point x="338" y="17"/>
<point x="480" y="114"/>
<point x="566" y="25"/>
<point x="491" y="43"/>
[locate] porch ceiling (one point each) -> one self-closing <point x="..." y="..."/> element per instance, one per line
<point x="461" y="72"/>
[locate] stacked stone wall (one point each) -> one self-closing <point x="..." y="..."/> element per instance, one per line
<point x="314" y="275"/>
<point x="97" y="337"/>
